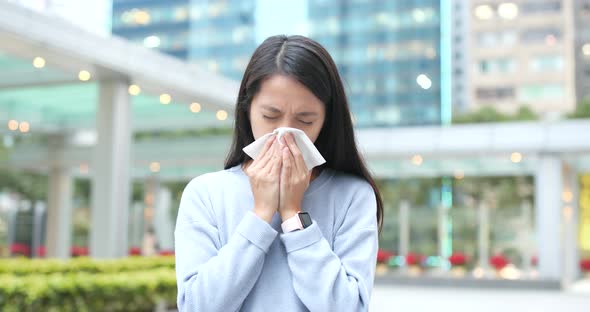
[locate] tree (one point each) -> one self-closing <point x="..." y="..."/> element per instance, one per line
<point x="582" y="110"/>
<point x="491" y="114"/>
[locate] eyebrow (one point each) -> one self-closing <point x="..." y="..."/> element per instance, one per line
<point x="276" y="110"/>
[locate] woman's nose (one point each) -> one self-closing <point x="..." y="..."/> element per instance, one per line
<point x="288" y="123"/>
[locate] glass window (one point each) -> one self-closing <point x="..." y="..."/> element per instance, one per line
<point x="484" y="66"/>
<point x="503" y="65"/>
<point x="546" y="63"/>
<point x="490" y="39"/>
<point x="540" y="34"/>
<point x="508" y="37"/>
<point x="540" y="6"/>
<point x="487" y="39"/>
<point x="541" y="92"/>
<point x="495" y="93"/>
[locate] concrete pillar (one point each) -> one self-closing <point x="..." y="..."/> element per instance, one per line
<point x="39" y="229"/>
<point x="442" y="229"/>
<point x="163" y="222"/>
<point x="59" y="202"/>
<point x="111" y="172"/>
<point x="12" y="201"/>
<point x="404" y="228"/>
<point x="528" y="243"/>
<point x="548" y="212"/>
<point x="151" y="187"/>
<point x="483" y="235"/>
<point x="571" y="220"/>
<point x="136" y="224"/>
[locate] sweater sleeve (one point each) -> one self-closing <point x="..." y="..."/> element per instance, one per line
<point x="339" y="279"/>
<point x="212" y="277"/>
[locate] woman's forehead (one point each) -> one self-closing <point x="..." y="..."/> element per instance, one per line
<point x="281" y="93"/>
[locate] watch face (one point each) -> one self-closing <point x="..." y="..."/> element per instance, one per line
<point x="305" y="219"/>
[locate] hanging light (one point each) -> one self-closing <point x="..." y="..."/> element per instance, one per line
<point x="39" y="62"/>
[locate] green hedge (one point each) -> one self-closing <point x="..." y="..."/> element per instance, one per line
<point x="131" y="284"/>
<point x="88" y="265"/>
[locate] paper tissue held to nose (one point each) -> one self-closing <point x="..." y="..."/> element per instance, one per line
<point x="311" y="155"/>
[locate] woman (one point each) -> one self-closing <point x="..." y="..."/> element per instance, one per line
<point x="231" y="250"/>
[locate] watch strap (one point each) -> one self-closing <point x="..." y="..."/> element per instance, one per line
<point x="292" y="224"/>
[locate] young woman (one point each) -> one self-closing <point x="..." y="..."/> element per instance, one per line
<point x="267" y="234"/>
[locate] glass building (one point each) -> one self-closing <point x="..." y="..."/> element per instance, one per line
<point x="154" y="23"/>
<point x="389" y="53"/>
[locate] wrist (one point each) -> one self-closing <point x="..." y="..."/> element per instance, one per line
<point x="288" y="213"/>
<point x="264" y="214"/>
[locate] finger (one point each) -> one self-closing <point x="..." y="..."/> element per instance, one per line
<point x="267" y="145"/>
<point x="278" y="164"/>
<point x="272" y="158"/>
<point x="287" y="163"/>
<point x="299" y="163"/>
<point x="263" y="160"/>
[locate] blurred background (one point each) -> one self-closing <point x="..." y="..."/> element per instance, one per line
<point x="473" y="115"/>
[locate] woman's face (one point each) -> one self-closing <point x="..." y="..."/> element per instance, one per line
<point x="284" y="102"/>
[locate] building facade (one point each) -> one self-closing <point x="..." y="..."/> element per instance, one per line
<point x="522" y="53"/>
<point x="460" y="55"/>
<point x="582" y="49"/>
<point x="162" y="25"/>
<point x="390" y="54"/>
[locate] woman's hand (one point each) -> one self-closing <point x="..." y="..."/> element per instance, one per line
<point x="294" y="178"/>
<point x="264" y="173"/>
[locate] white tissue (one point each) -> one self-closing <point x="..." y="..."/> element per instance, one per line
<point x="311" y="155"/>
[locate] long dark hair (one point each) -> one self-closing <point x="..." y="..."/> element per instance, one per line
<point x="310" y="64"/>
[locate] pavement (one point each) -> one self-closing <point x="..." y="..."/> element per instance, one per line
<point x="430" y="299"/>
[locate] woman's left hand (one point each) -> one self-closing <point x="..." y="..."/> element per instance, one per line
<point x="294" y="178"/>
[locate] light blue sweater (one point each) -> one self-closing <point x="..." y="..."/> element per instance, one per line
<point x="228" y="259"/>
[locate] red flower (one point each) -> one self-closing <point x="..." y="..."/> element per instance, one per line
<point x="41" y="251"/>
<point x="585" y="265"/>
<point x="135" y="251"/>
<point x="383" y="255"/>
<point x="20" y="249"/>
<point x="499" y="262"/>
<point x="457" y="259"/>
<point x="414" y="259"/>
<point x="166" y="253"/>
<point x="79" y="251"/>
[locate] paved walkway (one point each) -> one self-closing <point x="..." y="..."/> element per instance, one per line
<point x="417" y="299"/>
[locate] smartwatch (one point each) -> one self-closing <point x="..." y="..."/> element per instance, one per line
<point x="299" y="221"/>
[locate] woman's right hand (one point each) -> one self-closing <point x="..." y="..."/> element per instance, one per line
<point x="264" y="173"/>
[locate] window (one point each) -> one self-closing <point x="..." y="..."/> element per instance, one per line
<point x="484" y="67"/>
<point x="494" y="93"/>
<point x="541" y="6"/>
<point x="540" y="34"/>
<point x="487" y="39"/>
<point x="541" y="92"/>
<point x="546" y="63"/>
<point x="502" y="65"/>
<point x="491" y="39"/>
<point x="508" y="37"/>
